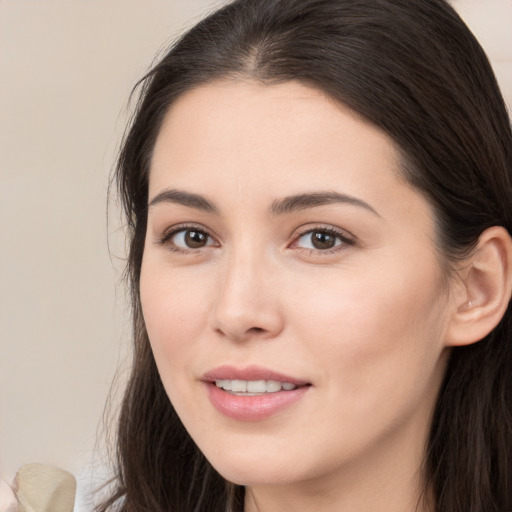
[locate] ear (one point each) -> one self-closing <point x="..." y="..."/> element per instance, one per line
<point x="483" y="289"/>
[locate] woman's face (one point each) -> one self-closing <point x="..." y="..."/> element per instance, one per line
<point x="290" y="286"/>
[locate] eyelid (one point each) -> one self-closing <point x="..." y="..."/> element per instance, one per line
<point x="169" y="233"/>
<point x="347" y="239"/>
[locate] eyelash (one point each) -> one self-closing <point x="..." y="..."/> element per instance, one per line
<point x="344" y="238"/>
<point x="166" y="238"/>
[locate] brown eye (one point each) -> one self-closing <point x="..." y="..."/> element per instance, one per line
<point x="195" y="239"/>
<point x="321" y="240"/>
<point x="191" y="238"/>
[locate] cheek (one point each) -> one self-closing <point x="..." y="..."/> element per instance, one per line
<point x="175" y="310"/>
<point x="376" y="344"/>
<point x="379" y="328"/>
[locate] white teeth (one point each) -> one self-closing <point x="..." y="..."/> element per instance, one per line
<point x="273" y="386"/>
<point x="256" y="386"/>
<point x="253" y="387"/>
<point x="239" y="386"/>
<point x="224" y="384"/>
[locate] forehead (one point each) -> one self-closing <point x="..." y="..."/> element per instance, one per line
<point x="248" y="129"/>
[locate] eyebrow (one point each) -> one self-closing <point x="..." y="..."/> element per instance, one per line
<point x="184" y="198"/>
<point x="312" y="199"/>
<point x="282" y="206"/>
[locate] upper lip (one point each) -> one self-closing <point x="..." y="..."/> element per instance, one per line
<point x="249" y="373"/>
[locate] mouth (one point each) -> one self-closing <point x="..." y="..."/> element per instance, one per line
<point x="254" y="387"/>
<point x="252" y="393"/>
<point x="252" y="380"/>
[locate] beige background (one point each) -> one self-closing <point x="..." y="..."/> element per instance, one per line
<point x="66" y="69"/>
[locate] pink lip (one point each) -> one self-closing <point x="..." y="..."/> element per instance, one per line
<point x="249" y="373"/>
<point x="251" y="408"/>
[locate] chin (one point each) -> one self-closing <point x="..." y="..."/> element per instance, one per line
<point x="255" y="476"/>
<point x="259" y="470"/>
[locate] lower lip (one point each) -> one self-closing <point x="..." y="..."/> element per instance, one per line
<point x="255" y="407"/>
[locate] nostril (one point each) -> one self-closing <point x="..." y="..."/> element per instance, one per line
<point x="256" y="330"/>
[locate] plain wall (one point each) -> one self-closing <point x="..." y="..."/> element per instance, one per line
<point x="66" y="70"/>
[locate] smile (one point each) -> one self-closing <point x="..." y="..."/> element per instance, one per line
<point x="252" y="393"/>
<point x="253" y="387"/>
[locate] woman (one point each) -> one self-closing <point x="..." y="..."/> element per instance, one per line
<point x="319" y="203"/>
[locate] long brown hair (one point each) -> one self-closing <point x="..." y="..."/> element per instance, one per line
<point x="412" y="68"/>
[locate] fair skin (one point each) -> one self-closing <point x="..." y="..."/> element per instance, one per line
<point x="342" y="289"/>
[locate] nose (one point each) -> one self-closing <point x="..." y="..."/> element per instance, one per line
<point x="247" y="303"/>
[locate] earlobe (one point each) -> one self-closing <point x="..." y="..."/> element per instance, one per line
<point x="485" y="288"/>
